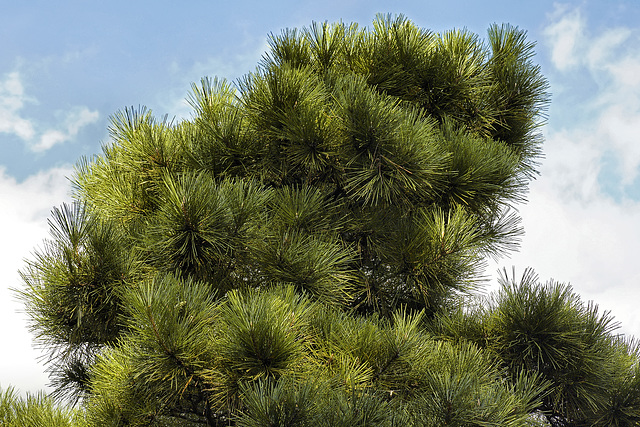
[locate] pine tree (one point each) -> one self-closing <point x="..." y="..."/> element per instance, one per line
<point x="306" y="250"/>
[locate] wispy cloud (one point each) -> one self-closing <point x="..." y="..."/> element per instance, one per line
<point x="565" y="33"/>
<point x="12" y="100"/>
<point x="610" y="62"/>
<point x="74" y="121"/>
<point x="13" y="119"/>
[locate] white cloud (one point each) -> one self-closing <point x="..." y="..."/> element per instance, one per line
<point x="601" y="50"/>
<point x="611" y="59"/>
<point x="78" y="118"/>
<point x="591" y="244"/>
<point x="23" y="225"/>
<point x="12" y="121"/>
<point x="74" y="121"/>
<point x="49" y="139"/>
<point x="12" y="99"/>
<point x="575" y="231"/>
<point x="619" y="130"/>
<point x="565" y="35"/>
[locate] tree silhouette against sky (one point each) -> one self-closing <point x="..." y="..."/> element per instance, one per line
<point x="306" y="249"/>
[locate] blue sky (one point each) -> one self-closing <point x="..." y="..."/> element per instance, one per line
<point x="66" y="66"/>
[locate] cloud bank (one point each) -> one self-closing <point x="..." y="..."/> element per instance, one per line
<point x="582" y="221"/>
<point x="23" y="226"/>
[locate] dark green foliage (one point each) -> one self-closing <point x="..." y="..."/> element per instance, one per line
<point x="157" y="366"/>
<point x="305" y="250"/>
<point x="278" y="404"/>
<point x="263" y="336"/>
<point x="288" y="403"/>
<point x="622" y="404"/>
<point x="72" y="292"/>
<point x="546" y="329"/>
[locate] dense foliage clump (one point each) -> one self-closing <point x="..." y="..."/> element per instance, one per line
<point x="305" y="250"/>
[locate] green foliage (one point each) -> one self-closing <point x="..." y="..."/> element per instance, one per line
<point x="35" y="411"/>
<point x="262" y="335"/>
<point x="305" y="251"/>
<point x="287" y="403"/>
<point x="547" y="330"/>
<point x="621" y="406"/>
<point x="72" y="292"/>
<point x="465" y="389"/>
<point x="164" y="353"/>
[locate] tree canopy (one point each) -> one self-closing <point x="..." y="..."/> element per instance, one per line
<point x="307" y="248"/>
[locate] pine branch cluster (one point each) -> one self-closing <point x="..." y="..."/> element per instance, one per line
<point x="305" y="250"/>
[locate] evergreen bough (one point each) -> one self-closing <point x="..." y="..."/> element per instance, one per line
<point x="305" y="250"/>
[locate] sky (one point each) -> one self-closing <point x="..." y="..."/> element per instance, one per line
<point x="67" y="66"/>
